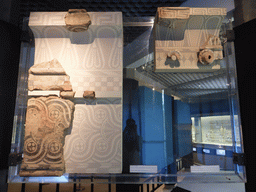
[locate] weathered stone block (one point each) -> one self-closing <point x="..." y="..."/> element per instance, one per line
<point x="48" y="76"/>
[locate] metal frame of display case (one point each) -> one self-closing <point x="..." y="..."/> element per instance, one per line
<point x="26" y="60"/>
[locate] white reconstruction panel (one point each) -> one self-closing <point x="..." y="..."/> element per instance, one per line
<point x="93" y="60"/>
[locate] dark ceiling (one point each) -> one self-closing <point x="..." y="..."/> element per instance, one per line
<point x="130" y="8"/>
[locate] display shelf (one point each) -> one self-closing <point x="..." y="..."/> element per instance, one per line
<point x="183" y="177"/>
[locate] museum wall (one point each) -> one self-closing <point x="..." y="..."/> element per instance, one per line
<point x="182" y="122"/>
<point x="155" y="124"/>
<point x="210" y="108"/>
<point x="132" y="140"/>
<point x="152" y="113"/>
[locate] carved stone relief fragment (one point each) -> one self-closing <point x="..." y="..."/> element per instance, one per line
<point x="46" y="120"/>
<point x="77" y="20"/>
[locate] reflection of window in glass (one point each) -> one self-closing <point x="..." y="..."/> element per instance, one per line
<point x="213" y="130"/>
<point x="193" y="130"/>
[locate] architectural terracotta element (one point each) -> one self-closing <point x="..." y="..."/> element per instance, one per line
<point x="206" y="56"/>
<point x="77" y="20"/>
<point x="89" y="94"/>
<point x="67" y="94"/>
<point x="187" y="39"/>
<point x="46" y="120"/>
<point x="174" y="55"/>
<point x="212" y="50"/>
<point x="48" y="76"/>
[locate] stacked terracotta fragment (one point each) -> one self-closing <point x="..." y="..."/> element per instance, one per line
<point x="49" y="113"/>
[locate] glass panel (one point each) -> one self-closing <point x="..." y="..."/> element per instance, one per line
<point x="177" y="127"/>
<point x="234" y="100"/>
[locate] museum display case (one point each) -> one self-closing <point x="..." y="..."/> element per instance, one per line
<point x="160" y="108"/>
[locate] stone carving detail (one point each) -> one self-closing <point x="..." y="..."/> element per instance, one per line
<point x="46" y="120"/>
<point x="187" y="39"/>
<point x="48" y="76"/>
<point x="77" y="20"/>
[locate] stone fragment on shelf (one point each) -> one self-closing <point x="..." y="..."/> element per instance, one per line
<point x="67" y="94"/>
<point x="48" y="75"/>
<point x="77" y="20"/>
<point x="89" y="94"/>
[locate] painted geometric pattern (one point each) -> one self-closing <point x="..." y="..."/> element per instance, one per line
<point x="196" y="33"/>
<point x="84" y="54"/>
<point x="57" y="18"/>
<point x="185" y="12"/>
<point x="208" y="11"/>
<point x="95" y="143"/>
<point x="103" y="86"/>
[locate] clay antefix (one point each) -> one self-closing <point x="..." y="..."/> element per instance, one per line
<point x="77" y="20"/>
<point x="187" y="39"/>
